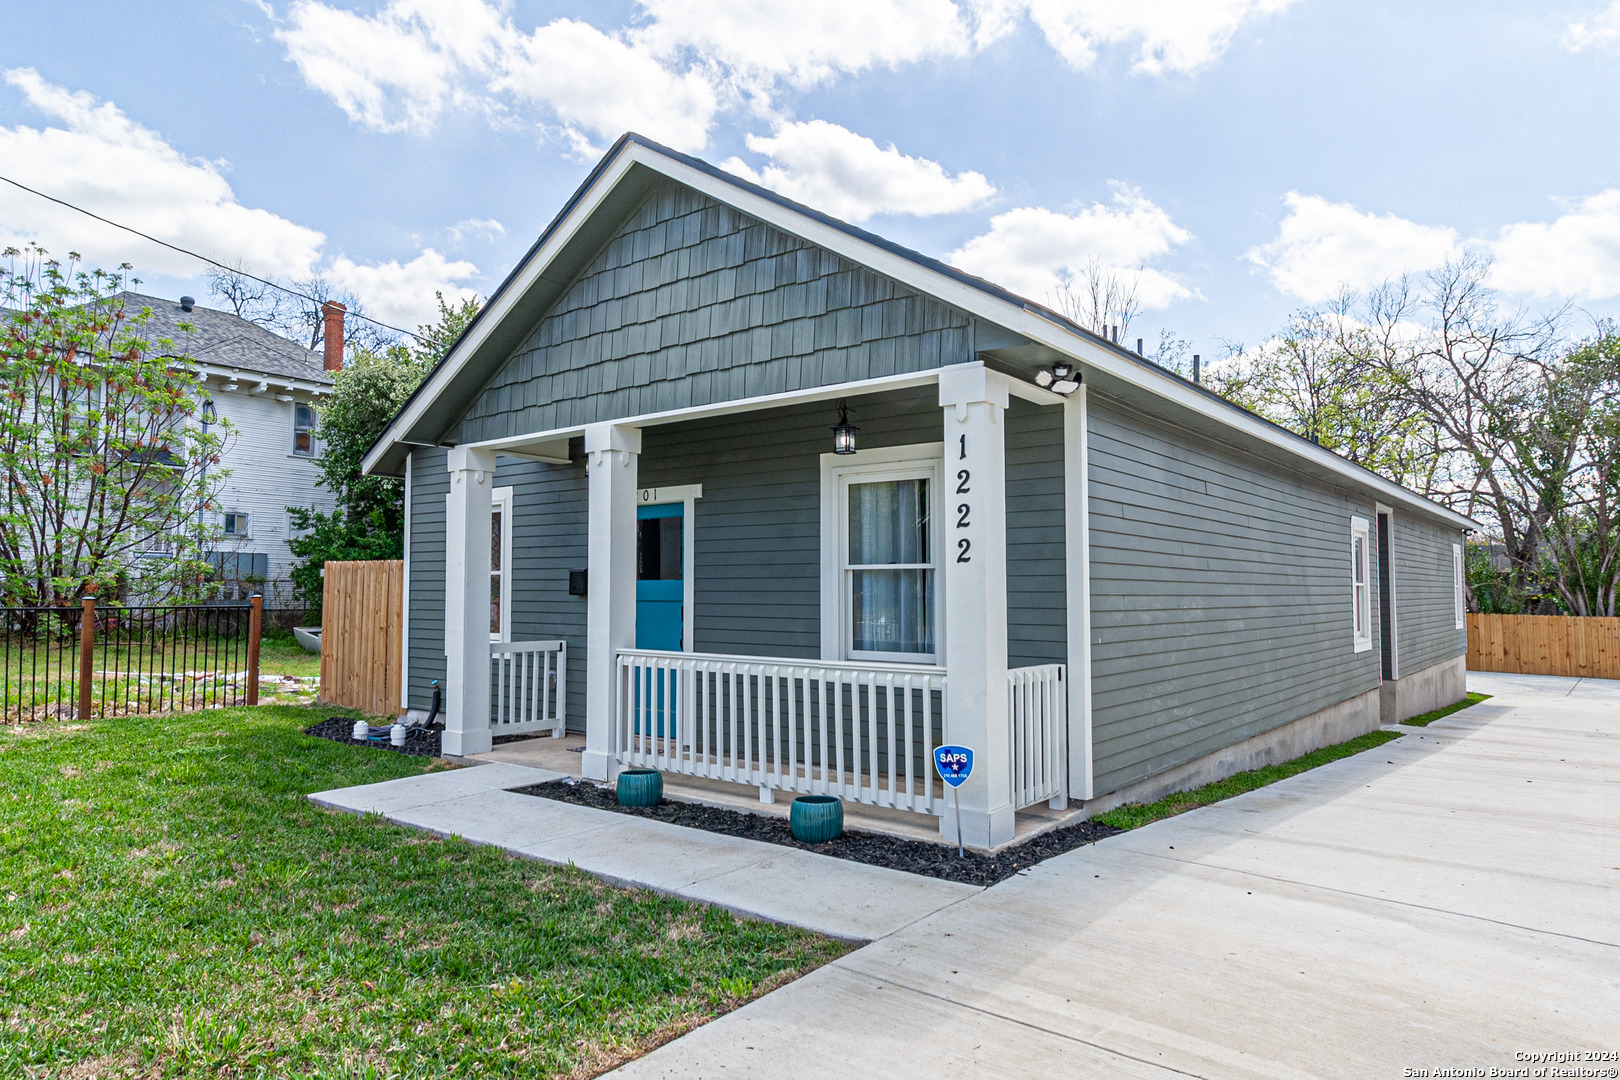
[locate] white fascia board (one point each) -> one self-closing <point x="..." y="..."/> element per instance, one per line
<point x="930" y="282"/>
<point x="501" y="306"/>
<point x="1030" y="325"/>
<point x="515" y="444"/>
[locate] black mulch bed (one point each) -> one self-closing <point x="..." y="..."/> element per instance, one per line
<point x="876" y="849"/>
<point x="419" y="741"/>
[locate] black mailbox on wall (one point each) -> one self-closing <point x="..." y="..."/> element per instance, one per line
<point x="576" y="582"/>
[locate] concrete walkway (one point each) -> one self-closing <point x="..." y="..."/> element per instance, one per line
<point x="1446" y="901"/>
<point x="832" y="896"/>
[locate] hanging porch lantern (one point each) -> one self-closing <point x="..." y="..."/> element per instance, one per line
<point x="844" y="433"/>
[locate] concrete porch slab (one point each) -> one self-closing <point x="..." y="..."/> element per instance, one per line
<point x="766" y="881"/>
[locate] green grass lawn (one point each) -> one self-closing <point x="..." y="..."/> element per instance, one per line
<point x="171" y="905"/>
<point x="1425" y="719"/>
<point x="1133" y="815"/>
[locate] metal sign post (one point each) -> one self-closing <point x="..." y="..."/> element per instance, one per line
<point x="955" y="765"/>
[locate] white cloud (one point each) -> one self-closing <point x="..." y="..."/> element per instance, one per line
<point x="474" y="228"/>
<point x="1602" y="29"/>
<point x="1322" y="246"/>
<point x="1170" y="35"/>
<point x="1576" y="254"/>
<point x="805" y="43"/>
<point x="400" y="68"/>
<point x="849" y="176"/>
<point x="672" y="69"/>
<point x="602" y="85"/>
<point x="402" y="293"/>
<point x="1033" y="251"/>
<point x="100" y="159"/>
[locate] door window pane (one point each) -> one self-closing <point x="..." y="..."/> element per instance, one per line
<point x="658" y="549"/>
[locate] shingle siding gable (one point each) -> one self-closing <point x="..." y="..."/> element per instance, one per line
<point x="693" y="303"/>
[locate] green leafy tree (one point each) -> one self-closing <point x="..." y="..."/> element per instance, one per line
<point x="105" y="455"/>
<point x="373" y="386"/>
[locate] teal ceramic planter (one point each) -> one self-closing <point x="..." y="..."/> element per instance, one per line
<point x="640" y="787"/>
<point x="816" y="819"/>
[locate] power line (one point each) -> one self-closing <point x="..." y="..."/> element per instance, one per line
<point x="204" y="258"/>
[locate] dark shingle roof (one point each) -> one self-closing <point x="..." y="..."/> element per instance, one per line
<point x="223" y="340"/>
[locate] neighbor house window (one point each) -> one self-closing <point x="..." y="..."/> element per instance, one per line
<point x="888" y="566"/>
<point x="500" y="558"/>
<point x="1459" y="586"/>
<point x="1361" y="583"/>
<point x="304" y="430"/>
<point x="236" y="524"/>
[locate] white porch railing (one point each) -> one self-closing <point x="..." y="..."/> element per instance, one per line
<point x="864" y="732"/>
<point x="1038" y="710"/>
<point x="528" y="686"/>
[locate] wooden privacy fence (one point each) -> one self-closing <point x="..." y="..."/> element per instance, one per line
<point x="362" y="617"/>
<point x="1545" y="645"/>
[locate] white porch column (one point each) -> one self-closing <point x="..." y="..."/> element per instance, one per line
<point x="974" y="505"/>
<point x="610" y="604"/>
<point x="466" y="601"/>
<point x="1077" y="554"/>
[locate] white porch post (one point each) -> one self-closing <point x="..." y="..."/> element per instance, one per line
<point x="1077" y="555"/>
<point x="466" y="601"/>
<point x="610" y="604"/>
<point x="974" y="401"/>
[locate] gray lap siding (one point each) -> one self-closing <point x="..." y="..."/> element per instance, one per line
<point x="1425" y="602"/>
<point x="1221" y="600"/>
<point x="424" y="608"/>
<point x="756" y="582"/>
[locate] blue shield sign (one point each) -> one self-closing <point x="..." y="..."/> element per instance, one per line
<point x="955" y="764"/>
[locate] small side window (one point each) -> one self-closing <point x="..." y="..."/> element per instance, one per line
<point x="303" y="430"/>
<point x="1459" y="586"/>
<point x="236" y="524"/>
<point x="1361" y="583"/>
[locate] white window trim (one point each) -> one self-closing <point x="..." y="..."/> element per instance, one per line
<point x="884" y="463"/>
<point x="688" y="495"/>
<point x="247" y="525"/>
<point x="501" y="500"/>
<point x="314" y="450"/>
<point x="1394" y="593"/>
<point x="1458" y="587"/>
<point x="1362" y="605"/>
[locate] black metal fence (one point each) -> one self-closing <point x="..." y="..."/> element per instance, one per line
<point x="90" y="661"/>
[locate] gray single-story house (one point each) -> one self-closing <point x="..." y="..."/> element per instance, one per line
<point x="746" y="493"/>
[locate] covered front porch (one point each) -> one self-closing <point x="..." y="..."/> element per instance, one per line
<point x="764" y="616"/>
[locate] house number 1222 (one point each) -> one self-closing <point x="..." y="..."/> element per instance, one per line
<point x="963" y="510"/>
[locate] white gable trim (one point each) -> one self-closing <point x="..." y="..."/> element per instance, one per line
<point x="930" y="282"/>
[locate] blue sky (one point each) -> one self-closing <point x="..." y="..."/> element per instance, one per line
<point x="1236" y="158"/>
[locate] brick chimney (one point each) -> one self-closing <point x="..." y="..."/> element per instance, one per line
<point x="332" y="334"/>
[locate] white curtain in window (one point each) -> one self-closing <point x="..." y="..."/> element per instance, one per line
<point x="891" y="567"/>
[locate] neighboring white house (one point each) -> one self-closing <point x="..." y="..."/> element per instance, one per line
<point x="268" y="388"/>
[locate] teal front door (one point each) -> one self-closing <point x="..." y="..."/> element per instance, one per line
<point x="660" y="589"/>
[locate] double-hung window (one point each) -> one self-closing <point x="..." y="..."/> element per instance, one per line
<point x="303" y="430"/>
<point x="881" y="584"/>
<point x="1361" y="582"/>
<point x="500" y="559"/>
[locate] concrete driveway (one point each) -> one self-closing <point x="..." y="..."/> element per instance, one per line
<point x="1448" y="901"/>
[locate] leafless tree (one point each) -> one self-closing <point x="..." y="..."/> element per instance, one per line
<point x="1100" y="298"/>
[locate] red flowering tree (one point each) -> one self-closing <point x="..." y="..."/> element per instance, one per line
<point x="108" y="454"/>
